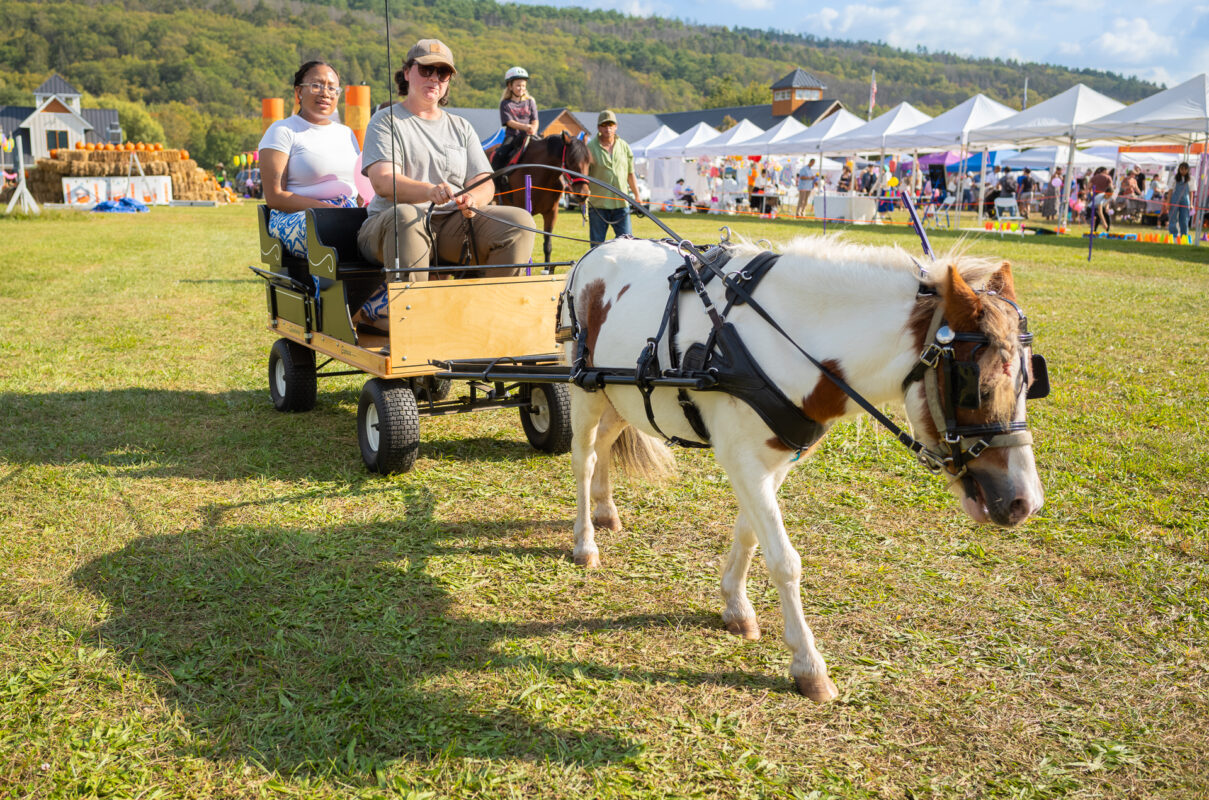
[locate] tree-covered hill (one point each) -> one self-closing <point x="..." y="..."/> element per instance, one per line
<point x="197" y="69"/>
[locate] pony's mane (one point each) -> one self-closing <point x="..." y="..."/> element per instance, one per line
<point x="832" y="247"/>
<point x="999" y="321"/>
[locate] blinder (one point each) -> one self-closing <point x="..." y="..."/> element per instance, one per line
<point x="963" y="379"/>
<point x="1039" y="385"/>
<point x="963" y="443"/>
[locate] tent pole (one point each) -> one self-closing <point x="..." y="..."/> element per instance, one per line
<point x="1068" y="179"/>
<point x="982" y="181"/>
<point x="877" y="185"/>
<point x="961" y="173"/>
<point x="1198" y="208"/>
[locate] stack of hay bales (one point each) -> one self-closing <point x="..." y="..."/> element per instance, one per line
<point x="189" y="181"/>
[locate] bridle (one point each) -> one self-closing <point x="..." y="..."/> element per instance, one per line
<point x="960" y="444"/>
<point x="575" y="178"/>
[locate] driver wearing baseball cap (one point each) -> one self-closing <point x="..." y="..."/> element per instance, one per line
<point x="416" y="153"/>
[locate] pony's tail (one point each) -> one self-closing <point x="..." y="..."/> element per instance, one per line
<point x="643" y="456"/>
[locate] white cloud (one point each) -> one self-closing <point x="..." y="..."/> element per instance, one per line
<point x="1131" y="41"/>
<point x="754" y="5"/>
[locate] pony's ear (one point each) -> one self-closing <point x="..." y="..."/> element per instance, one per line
<point x="566" y="138"/>
<point x="1001" y="283"/>
<point x="963" y="307"/>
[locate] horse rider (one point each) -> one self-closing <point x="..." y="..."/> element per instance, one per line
<point x="518" y="117"/>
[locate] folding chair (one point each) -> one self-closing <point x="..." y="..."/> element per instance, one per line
<point x="1006" y="210"/>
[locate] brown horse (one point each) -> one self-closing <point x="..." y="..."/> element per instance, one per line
<point x="558" y="150"/>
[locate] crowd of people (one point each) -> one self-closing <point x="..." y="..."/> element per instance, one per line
<point x="1097" y="195"/>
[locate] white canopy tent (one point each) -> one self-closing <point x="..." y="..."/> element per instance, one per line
<point x="1179" y="114"/>
<point x="1056" y="156"/>
<point x="659" y="136"/>
<point x="1054" y="121"/>
<point x="950" y="130"/>
<point x="1146" y="160"/>
<point x="871" y="137"/>
<point x="674" y="148"/>
<point x="725" y="143"/>
<point x="769" y="142"/>
<point x="667" y="161"/>
<point x="815" y="138"/>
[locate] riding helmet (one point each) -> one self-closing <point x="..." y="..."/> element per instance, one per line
<point x="514" y="73"/>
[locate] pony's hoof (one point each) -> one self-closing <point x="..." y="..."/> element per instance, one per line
<point x="818" y="689"/>
<point x="609" y="523"/>
<point x="588" y="560"/>
<point x="749" y="629"/>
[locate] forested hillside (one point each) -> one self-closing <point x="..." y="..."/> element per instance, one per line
<point x="193" y="71"/>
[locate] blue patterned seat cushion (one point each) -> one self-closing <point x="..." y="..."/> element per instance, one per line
<point x="290" y="227"/>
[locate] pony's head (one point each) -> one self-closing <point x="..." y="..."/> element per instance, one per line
<point x="966" y="397"/>
<point x="575" y="157"/>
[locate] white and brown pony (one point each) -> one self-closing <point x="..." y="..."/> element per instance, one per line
<point x="866" y="314"/>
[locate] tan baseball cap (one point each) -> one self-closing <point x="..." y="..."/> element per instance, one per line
<point x="605" y="118"/>
<point x="431" y="51"/>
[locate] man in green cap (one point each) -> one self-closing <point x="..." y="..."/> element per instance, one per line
<point x="613" y="163"/>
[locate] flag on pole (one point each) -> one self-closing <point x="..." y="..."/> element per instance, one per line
<point x="872" y="95"/>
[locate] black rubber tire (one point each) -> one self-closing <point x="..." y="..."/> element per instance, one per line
<point x="292" y="382"/>
<point x="388" y="426"/>
<point x="547" y="420"/>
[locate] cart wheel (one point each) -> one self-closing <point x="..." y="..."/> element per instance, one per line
<point x="547" y="420"/>
<point x="292" y="382"/>
<point x="388" y="426"/>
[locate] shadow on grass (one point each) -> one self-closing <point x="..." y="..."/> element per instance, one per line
<point x="337" y="651"/>
<point x="216" y="436"/>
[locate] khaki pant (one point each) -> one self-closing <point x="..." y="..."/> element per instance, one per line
<point x="803" y="202"/>
<point x="495" y="242"/>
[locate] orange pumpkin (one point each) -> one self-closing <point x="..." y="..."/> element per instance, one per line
<point x="109" y="146"/>
<point x="54" y="153"/>
<point x="184" y="155"/>
<point x="140" y="147"/>
<point x="158" y="147"/>
<point x="90" y="147"/>
<point x="79" y="145"/>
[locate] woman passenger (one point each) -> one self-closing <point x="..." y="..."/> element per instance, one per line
<point x="307" y="160"/>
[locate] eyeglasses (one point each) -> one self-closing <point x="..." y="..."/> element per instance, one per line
<point x="322" y="88"/>
<point x="443" y="72"/>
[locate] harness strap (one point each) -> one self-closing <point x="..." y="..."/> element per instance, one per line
<point x="930" y="459"/>
<point x="749" y="278"/>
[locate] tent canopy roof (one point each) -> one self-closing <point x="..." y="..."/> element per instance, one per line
<point x="1180" y="114"/>
<point x="674" y="148"/>
<point x="871" y="136"/>
<point x="952" y="128"/>
<point x="659" y="136"/>
<point x="1051" y="121"/>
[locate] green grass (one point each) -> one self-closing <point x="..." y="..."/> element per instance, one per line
<point x="200" y="597"/>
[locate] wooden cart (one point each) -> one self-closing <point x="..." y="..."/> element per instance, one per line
<point x="436" y="329"/>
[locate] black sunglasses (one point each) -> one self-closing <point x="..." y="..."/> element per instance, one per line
<point x="443" y="72"/>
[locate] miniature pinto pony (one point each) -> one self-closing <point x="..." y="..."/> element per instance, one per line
<point x="867" y="315"/>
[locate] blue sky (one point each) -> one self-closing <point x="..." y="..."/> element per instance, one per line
<point x="1158" y="40"/>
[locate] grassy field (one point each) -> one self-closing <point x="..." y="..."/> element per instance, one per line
<point x="201" y="597"/>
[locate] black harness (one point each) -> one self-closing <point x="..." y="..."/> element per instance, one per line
<point x="723" y="363"/>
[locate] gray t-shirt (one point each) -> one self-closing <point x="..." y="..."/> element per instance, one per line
<point x="437" y="150"/>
